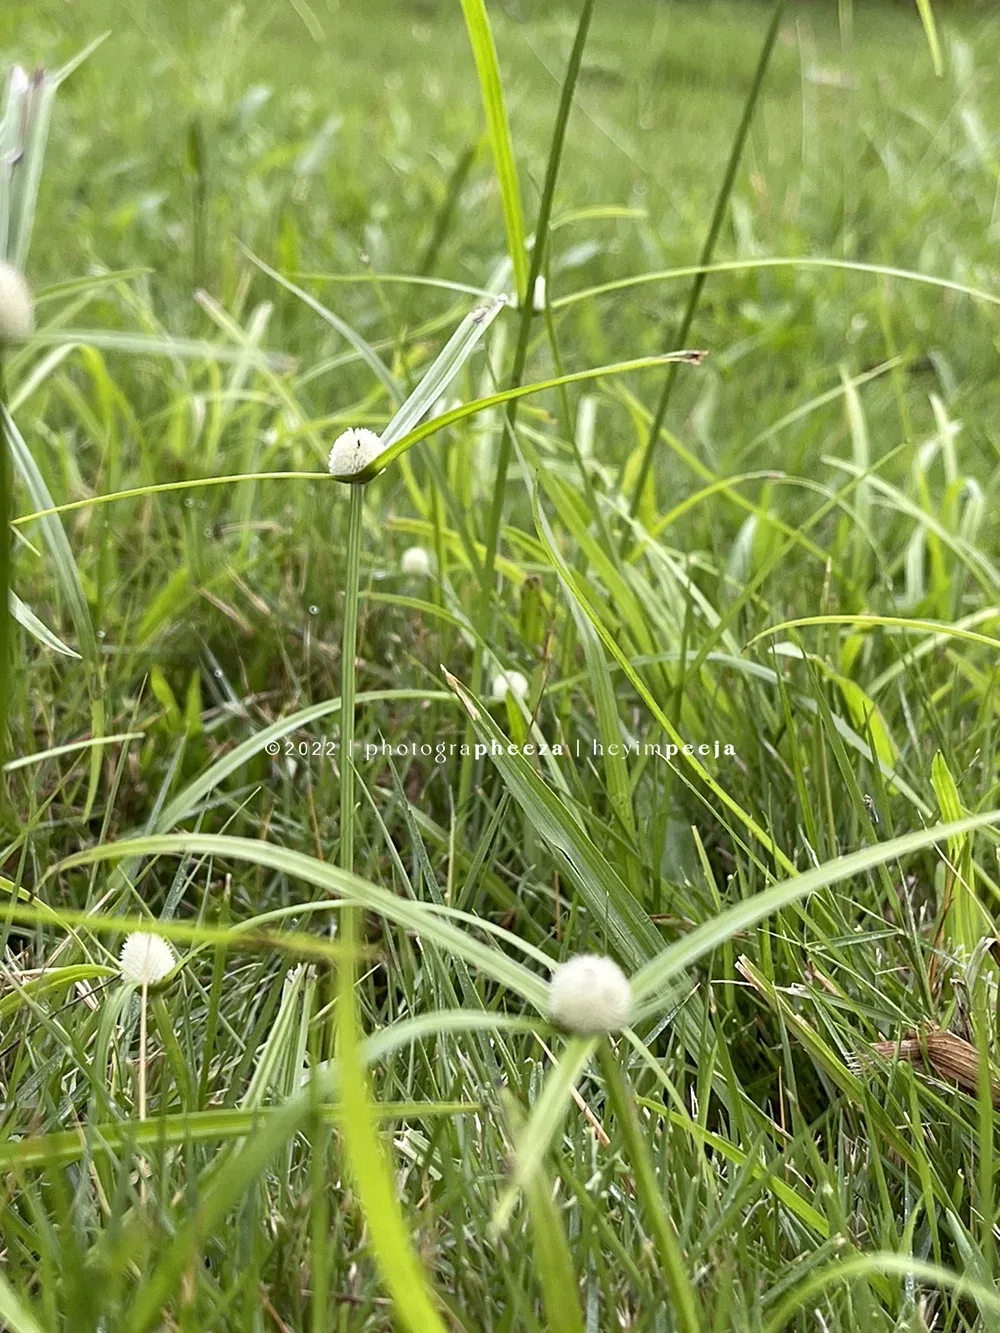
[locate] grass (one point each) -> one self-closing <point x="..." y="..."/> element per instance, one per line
<point x="260" y="226"/>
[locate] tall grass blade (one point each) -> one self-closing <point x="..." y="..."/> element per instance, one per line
<point x="401" y="1272"/>
<point x="498" y="128"/>
<point x="708" y="248"/>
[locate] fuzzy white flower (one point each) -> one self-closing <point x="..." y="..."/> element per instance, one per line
<point x="538" y="296"/>
<point x="15" y="305"/>
<point x="146" y="959"/>
<point x="354" y="450"/>
<point x="508" y="682"/>
<point x="590" y="993"/>
<point x="416" y="561"/>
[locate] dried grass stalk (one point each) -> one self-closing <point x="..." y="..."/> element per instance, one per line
<point x="949" y="1057"/>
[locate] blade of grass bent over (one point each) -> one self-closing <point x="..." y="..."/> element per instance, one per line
<point x="339" y="883"/>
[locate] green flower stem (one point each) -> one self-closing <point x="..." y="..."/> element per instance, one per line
<point x="679" y="1284"/>
<point x="348" y="652"/>
<point x="6" y="636"/>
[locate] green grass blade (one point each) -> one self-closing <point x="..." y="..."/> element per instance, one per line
<point x="676" y="958"/>
<point x="14" y="1314"/>
<point x="390" y="1238"/>
<point x="708" y="248"/>
<point x="27" y="619"/>
<point x="930" y="31"/>
<point x="453" y="356"/>
<point x="491" y="88"/>
<point x="543" y="1124"/>
<point x="217" y="1125"/>
<point x="64" y="565"/>
<point x="478" y="405"/>
<point x="340" y="884"/>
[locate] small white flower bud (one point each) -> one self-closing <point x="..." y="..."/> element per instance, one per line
<point x="16" y="315"/>
<point x="416" y="561"/>
<point x="538" y="296"/>
<point x="146" y="959"/>
<point x="354" y="450"/>
<point x="508" y="682"/>
<point x="590" y="994"/>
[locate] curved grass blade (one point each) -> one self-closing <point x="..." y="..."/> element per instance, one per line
<point x="940" y="629"/>
<point x="74" y="747"/>
<point x="751" y="265"/>
<point x="13" y="1314"/>
<point x="164" y="487"/>
<point x="477" y="405"/>
<point x="652" y="979"/>
<point x="27" y="619"/>
<point x="182" y="1128"/>
<point x="802" y="1295"/>
<point x="144" y="344"/>
<point x="186" y="801"/>
<point x="340" y="884"/>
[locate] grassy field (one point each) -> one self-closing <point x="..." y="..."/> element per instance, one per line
<point x="347" y="1107"/>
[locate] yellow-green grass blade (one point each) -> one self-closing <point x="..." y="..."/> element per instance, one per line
<point x="180" y="1129"/>
<point x="498" y="128"/>
<point x="339" y="883"/>
<point x="478" y="405"/>
<point x="401" y="1272"/>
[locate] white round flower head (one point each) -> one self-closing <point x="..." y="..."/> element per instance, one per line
<point x="590" y="994"/>
<point x="15" y="305"/>
<point x="146" y="959"/>
<point x="538" y="296"/>
<point x="509" y="682"/>
<point x="354" y="450"/>
<point x="416" y="561"/>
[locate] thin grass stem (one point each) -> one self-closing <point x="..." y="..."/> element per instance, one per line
<point x="707" y="250"/>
